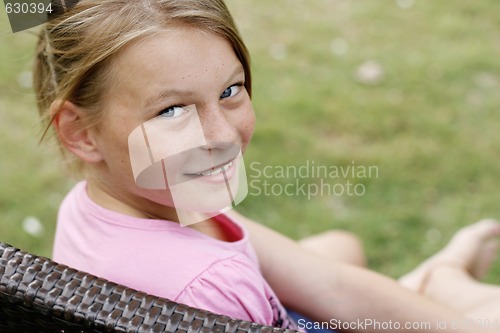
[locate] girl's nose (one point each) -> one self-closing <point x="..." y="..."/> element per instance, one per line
<point x="217" y="127"/>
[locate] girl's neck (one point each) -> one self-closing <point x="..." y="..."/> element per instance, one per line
<point x="103" y="198"/>
<point x="127" y="206"/>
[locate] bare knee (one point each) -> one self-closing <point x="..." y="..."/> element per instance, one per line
<point x="342" y="246"/>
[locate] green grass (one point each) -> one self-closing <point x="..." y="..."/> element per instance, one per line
<point x="431" y="125"/>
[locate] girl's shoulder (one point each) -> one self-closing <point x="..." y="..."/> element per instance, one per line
<point x="109" y="244"/>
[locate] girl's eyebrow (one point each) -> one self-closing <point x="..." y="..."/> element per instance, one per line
<point x="237" y="71"/>
<point x="175" y="92"/>
<point x="165" y="94"/>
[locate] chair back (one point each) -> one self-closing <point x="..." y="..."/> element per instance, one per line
<point x="38" y="295"/>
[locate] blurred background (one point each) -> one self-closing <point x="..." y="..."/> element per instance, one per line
<point x="410" y="88"/>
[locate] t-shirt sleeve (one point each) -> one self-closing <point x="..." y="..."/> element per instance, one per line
<point x="233" y="288"/>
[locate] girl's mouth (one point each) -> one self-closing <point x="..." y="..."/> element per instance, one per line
<point x="215" y="170"/>
<point x="219" y="174"/>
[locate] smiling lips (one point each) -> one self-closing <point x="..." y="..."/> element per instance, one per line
<point x="216" y="170"/>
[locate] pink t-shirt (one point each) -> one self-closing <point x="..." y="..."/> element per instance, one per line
<point x="164" y="259"/>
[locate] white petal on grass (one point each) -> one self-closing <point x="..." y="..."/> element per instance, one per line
<point x="370" y="72"/>
<point x="486" y="80"/>
<point x="339" y="46"/>
<point x="24" y="79"/>
<point x="433" y="235"/>
<point x="278" y="51"/>
<point x="405" y="4"/>
<point x="338" y="207"/>
<point x="33" y="226"/>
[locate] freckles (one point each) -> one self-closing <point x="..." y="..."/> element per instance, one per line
<point x="246" y="131"/>
<point x="250" y="122"/>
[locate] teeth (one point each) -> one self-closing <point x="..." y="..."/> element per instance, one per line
<point x="216" y="171"/>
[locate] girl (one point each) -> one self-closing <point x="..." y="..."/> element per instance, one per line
<point x="173" y="77"/>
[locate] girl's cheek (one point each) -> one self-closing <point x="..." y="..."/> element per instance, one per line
<point x="251" y="123"/>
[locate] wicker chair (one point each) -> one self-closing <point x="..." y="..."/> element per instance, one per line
<point x="40" y="295"/>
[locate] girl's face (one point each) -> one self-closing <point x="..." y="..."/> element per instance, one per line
<point x="190" y="83"/>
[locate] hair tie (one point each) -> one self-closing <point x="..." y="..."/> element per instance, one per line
<point x="59" y="7"/>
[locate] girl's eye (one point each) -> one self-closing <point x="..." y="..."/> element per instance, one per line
<point x="231" y="91"/>
<point x="172" y="112"/>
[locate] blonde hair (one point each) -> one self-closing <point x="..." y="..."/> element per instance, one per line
<point x="75" y="50"/>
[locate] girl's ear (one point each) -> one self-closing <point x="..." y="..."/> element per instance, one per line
<point x="71" y="129"/>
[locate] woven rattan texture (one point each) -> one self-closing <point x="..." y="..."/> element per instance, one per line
<point x="40" y="295"/>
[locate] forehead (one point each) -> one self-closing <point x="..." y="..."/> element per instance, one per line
<point x="180" y="58"/>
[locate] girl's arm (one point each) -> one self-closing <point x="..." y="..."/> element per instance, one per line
<point x="339" y="293"/>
